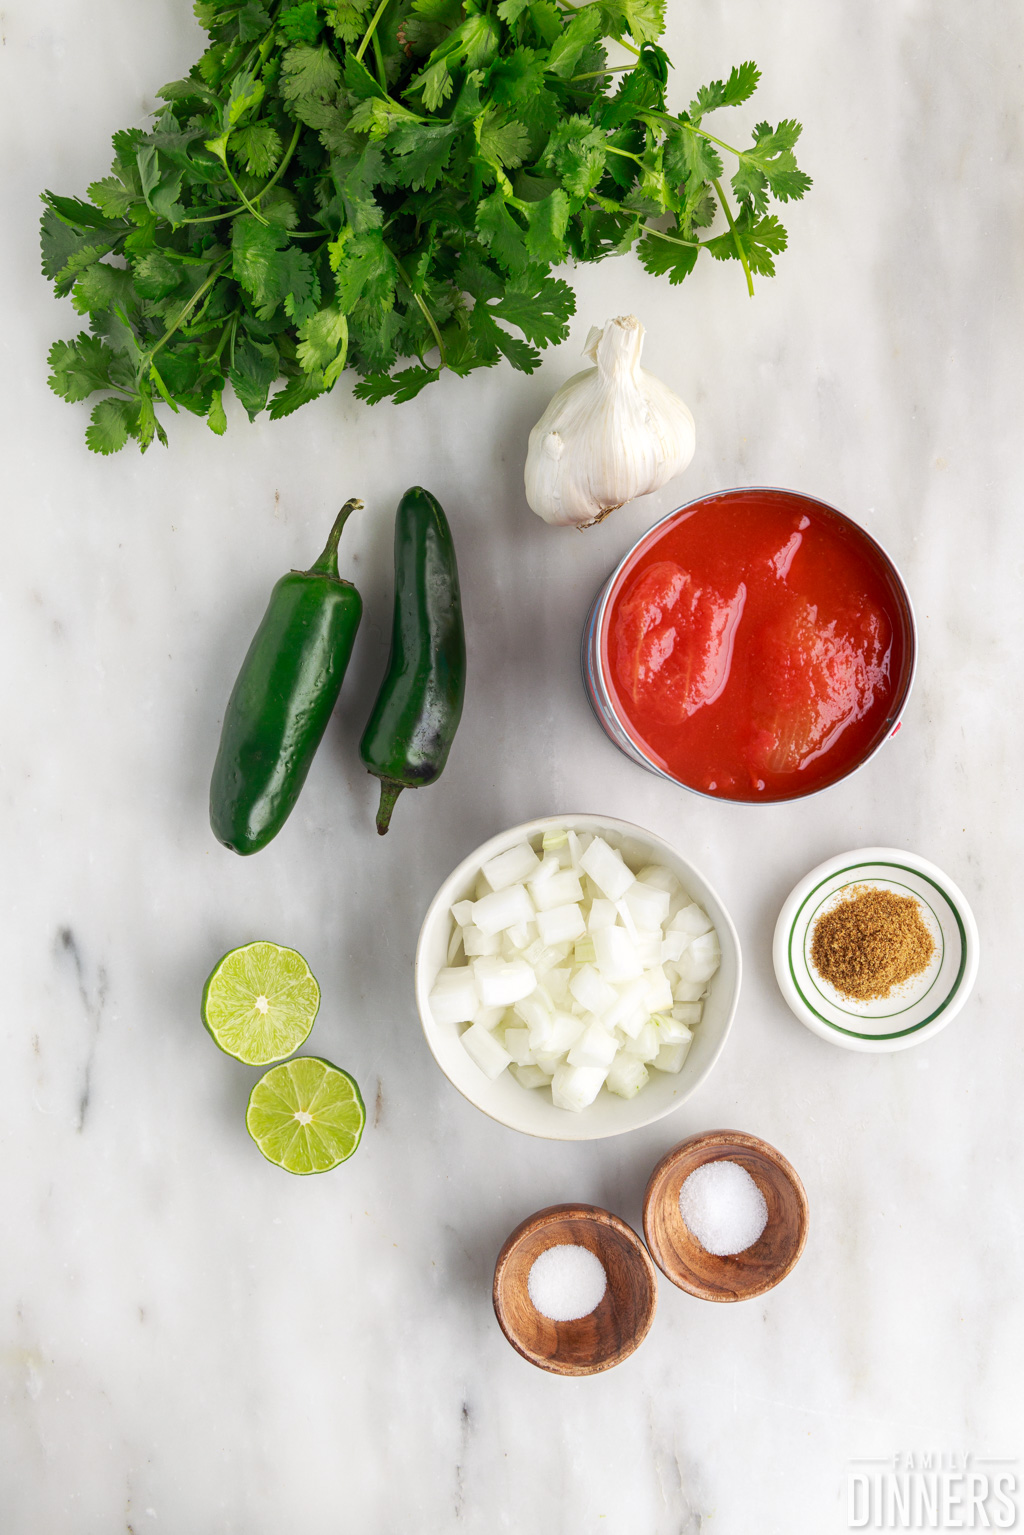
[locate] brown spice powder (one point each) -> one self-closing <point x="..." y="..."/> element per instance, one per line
<point x="871" y="942"/>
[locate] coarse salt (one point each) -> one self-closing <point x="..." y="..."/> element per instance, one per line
<point x="567" y="1282"/>
<point x="723" y="1207"/>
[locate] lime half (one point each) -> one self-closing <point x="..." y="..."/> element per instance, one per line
<point x="306" y="1115"/>
<point x="260" y="1002"/>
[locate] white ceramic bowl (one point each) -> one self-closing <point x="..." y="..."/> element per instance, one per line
<point x="919" y="1008"/>
<point x="531" y="1110"/>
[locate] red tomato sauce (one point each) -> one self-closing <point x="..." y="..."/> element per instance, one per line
<point x="756" y="648"/>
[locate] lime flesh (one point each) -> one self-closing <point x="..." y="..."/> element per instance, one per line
<point x="306" y="1115"/>
<point x="260" y="1002"/>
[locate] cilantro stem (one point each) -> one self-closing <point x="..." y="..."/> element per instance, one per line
<point x="677" y="122"/>
<point x="735" y="235"/>
<point x="625" y="153"/>
<point x="186" y="310"/>
<point x="227" y="171"/>
<point x="161" y="386"/>
<point x="371" y="29"/>
<point x="672" y="239"/>
<point x="593" y="74"/>
<point x="422" y="307"/>
<point x="215" y="218"/>
<point x="378" y="56"/>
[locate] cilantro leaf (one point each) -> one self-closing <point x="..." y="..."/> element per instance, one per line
<point x="541" y="307"/>
<point x="298" y="391"/>
<point x="422" y="152"/>
<point x="664" y="258"/>
<point x="644" y="20"/>
<point x="503" y="142"/>
<point x="399" y="387"/>
<point x="583" y="30"/>
<point x="258" y="147"/>
<point x="547" y="221"/>
<point x="79" y="367"/>
<point x="255" y="367"/>
<point x="301" y="23"/>
<point x="501" y="234"/>
<point x="762" y="239"/>
<point x="324" y="344"/>
<point x="307" y="71"/>
<point x="294" y="210"/>
<point x="740" y="86"/>
<point x="112" y="422"/>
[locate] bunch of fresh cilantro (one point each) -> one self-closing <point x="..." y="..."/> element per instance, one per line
<point x="343" y="184"/>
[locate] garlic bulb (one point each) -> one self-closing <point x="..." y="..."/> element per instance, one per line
<point x="613" y="432"/>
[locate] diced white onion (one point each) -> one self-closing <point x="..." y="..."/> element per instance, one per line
<point x="490" y="1017"/>
<point x="513" y="867"/>
<point x="615" y="956"/>
<point x="671" y="1057"/>
<point x="486" y="1051"/>
<point x="517" y="1043"/>
<point x="626" y="1076"/>
<point x="454" y="998"/>
<point x="561" y="923"/>
<point x="501" y="982"/>
<point x="595" y="1047"/>
<point x="688" y="1013"/>
<point x="607" y="869"/>
<point x="691" y="919"/>
<point x="671" y="1030"/>
<point x="531" y="1076"/>
<point x="658" y="990"/>
<point x="560" y="889"/>
<point x="576" y="1087"/>
<point x="689" y="991"/>
<point x="577" y="972"/>
<point x="503" y="909"/>
<point x="476" y="942"/>
<point x="649" y="905"/>
<point x="646" y="1044"/>
<point x="593" y="993"/>
<point x="602" y="914"/>
<point x="661" y="878"/>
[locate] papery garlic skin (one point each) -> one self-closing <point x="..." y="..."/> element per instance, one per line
<point x="610" y="434"/>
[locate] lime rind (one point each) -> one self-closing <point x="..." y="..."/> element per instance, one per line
<point x="331" y="1108"/>
<point x="260" y="1003"/>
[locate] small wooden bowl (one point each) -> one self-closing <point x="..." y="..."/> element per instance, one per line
<point x="680" y="1256"/>
<point x="622" y="1318"/>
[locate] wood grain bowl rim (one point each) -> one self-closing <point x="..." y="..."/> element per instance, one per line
<point x="592" y="1216"/>
<point x="721" y="1141"/>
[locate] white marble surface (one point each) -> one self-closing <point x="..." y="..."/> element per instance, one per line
<point x="193" y="1341"/>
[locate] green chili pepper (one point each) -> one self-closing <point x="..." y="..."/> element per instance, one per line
<point x="283" y="698"/>
<point x="418" y="708"/>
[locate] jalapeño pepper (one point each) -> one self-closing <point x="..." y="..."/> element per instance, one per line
<point x="417" y="712"/>
<point x="283" y="698"/>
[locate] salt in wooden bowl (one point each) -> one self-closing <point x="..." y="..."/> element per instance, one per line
<point x="738" y="1276"/>
<point x="621" y="1319"/>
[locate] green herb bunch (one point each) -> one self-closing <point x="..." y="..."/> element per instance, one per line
<point x="336" y="185"/>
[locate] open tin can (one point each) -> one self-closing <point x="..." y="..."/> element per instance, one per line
<point x="595" y="653"/>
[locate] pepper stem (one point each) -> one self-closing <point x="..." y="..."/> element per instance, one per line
<point x="390" y="789"/>
<point x="327" y="564"/>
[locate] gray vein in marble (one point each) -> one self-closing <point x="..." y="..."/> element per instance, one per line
<point x="92" y="1000"/>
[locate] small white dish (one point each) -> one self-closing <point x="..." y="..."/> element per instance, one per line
<point x="531" y="1110"/>
<point x="919" y="1008"/>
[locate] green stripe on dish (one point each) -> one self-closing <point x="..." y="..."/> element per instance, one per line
<point x="897" y="1033"/>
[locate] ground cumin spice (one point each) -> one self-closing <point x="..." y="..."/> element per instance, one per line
<point x="871" y="942"/>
